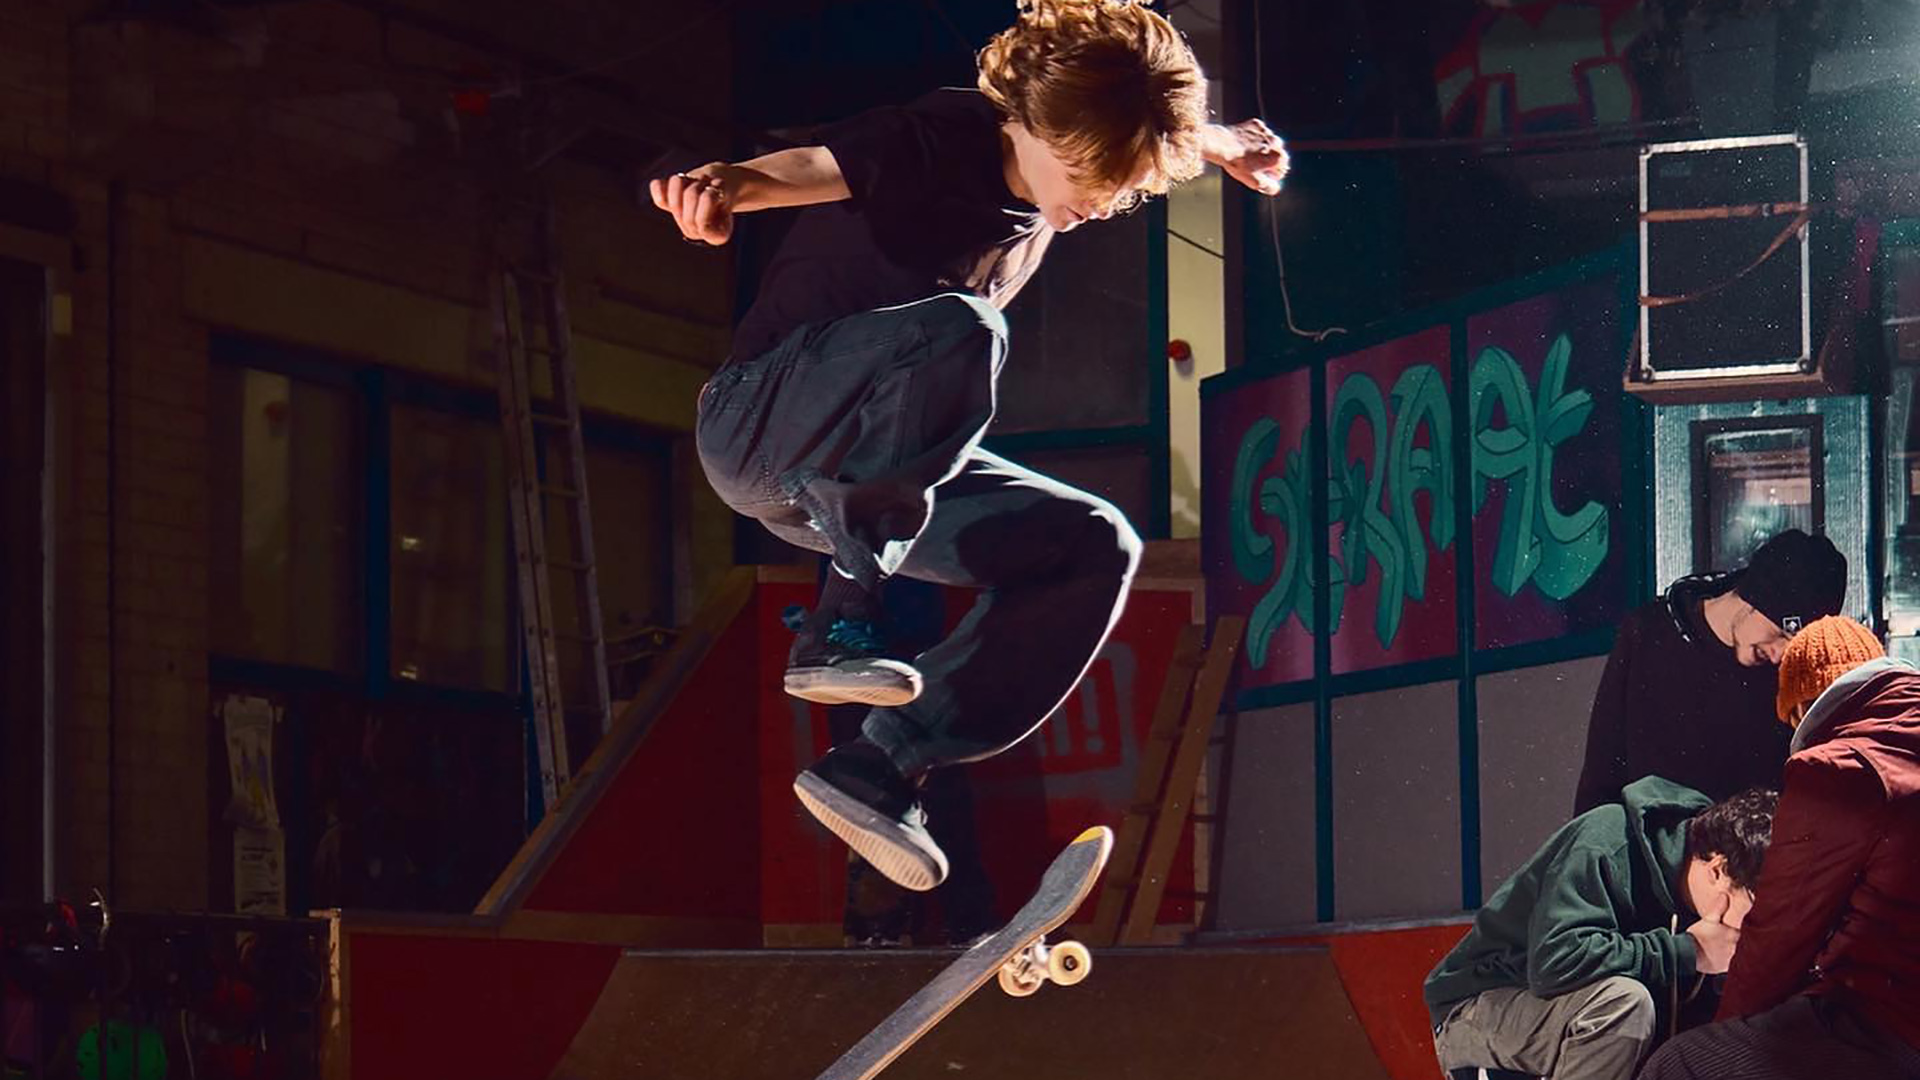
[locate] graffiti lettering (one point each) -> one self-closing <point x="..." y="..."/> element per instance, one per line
<point x="1549" y="66"/>
<point x="1285" y="498"/>
<point x="1404" y="451"/>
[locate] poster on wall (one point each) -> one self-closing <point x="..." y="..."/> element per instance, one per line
<point x="259" y="845"/>
<point x="249" y="723"/>
<point x="1391" y="574"/>
<point x="259" y="872"/>
<point x="1544" y="386"/>
<point x="1256" y="539"/>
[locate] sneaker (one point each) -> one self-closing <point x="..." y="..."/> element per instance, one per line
<point x="842" y="663"/>
<point x="860" y="797"/>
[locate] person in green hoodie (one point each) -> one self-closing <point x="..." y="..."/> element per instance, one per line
<point x="1569" y="965"/>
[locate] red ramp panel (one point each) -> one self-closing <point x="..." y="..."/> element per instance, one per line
<point x="1382" y="968"/>
<point x="421" y="1004"/>
<point x="676" y="834"/>
<point x="1143" y="1014"/>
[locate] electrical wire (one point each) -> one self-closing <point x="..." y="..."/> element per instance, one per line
<point x="1191" y="242"/>
<point x="1273" y="217"/>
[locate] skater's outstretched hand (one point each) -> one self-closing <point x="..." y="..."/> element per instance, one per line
<point x="701" y="202"/>
<point x="1249" y="152"/>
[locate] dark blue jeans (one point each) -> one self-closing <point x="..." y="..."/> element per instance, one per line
<point x="860" y="438"/>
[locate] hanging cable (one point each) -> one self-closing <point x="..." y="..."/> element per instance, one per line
<point x="1273" y="217"/>
<point x="1191" y="242"/>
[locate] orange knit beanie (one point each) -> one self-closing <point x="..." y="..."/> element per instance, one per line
<point x="1821" y="652"/>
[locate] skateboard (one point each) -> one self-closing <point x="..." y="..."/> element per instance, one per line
<point x="1017" y="954"/>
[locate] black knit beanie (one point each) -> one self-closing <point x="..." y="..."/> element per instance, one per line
<point x="1794" y="579"/>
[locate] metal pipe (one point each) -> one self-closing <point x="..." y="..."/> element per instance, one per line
<point x="116" y="209"/>
<point x="49" y="568"/>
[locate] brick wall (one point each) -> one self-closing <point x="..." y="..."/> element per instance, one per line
<point x="293" y="171"/>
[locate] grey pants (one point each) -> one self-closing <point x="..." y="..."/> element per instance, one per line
<point x="1597" y="1032"/>
<point x="1805" y="1038"/>
<point x="860" y="438"/>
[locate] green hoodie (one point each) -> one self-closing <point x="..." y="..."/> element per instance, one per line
<point x="1597" y="899"/>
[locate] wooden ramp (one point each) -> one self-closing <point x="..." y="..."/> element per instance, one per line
<point x="1144" y="1014"/>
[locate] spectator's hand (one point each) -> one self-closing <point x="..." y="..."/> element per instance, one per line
<point x="700" y="201"/>
<point x="1715" y="944"/>
<point x="1251" y="153"/>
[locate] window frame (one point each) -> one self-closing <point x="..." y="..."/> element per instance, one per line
<point x="376" y="390"/>
<point x="1699" y="432"/>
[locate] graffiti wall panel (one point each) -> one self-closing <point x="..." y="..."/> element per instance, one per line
<point x="1544" y="405"/>
<point x="1554" y="65"/>
<point x="1544" y="440"/>
<point x="1391" y="564"/>
<point x="1256" y="538"/>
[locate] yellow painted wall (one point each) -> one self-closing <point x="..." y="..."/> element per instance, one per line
<point x="1196" y="301"/>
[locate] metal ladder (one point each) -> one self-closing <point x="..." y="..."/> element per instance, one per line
<point x="547" y="467"/>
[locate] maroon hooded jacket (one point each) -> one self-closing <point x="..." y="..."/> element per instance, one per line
<point x="1837" y="909"/>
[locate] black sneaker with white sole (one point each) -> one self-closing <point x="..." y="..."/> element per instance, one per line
<point x="841" y="662"/>
<point x="860" y="797"/>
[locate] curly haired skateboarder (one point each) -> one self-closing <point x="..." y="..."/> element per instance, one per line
<point x="848" y="419"/>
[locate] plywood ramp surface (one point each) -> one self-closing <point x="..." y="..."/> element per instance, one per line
<point x="1144" y="1014"/>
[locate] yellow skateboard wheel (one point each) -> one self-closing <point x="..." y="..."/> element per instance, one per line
<point x="1068" y="963"/>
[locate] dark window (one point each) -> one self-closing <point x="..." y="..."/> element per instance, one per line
<point x="286" y="516"/>
<point x="1754" y="479"/>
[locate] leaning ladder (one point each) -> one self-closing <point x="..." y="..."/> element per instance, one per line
<point x="1169" y="776"/>
<point x="529" y="295"/>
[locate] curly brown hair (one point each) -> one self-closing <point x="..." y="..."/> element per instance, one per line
<point x="1739" y="828"/>
<point x="1109" y="85"/>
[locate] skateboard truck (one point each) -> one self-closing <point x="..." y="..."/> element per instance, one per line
<point x="1066" y="964"/>
<point x="1017" y="955"/>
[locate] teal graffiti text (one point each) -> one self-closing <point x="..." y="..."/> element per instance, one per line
<point x="1386" y="449"/>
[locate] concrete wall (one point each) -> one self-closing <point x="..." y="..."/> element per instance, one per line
<point x="1396" y="803"/>
<point x="1266" y="875"/>
<point x="1396" y="824"/>
<point x="1533" y="736"/>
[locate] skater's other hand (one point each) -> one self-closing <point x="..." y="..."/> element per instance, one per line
<point x="701" y="202"/>
<point x="1251" y="153"/>
<point x="1714" y="946"/>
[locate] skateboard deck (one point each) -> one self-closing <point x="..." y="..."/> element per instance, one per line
<point x="1016" y="954"/>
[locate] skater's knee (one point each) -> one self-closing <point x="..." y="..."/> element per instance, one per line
<point x="1110" y="541"/>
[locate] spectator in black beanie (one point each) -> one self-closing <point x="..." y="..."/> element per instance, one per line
<point x="1688" y="693"/>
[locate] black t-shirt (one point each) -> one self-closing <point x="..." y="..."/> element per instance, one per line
<point x="930" y="212"/>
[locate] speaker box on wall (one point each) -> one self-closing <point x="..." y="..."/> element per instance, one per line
<point x="1724" y="297"/>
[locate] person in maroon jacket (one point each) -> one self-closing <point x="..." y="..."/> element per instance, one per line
<point x="1826" y="982"/>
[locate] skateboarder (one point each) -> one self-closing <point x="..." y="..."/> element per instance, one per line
<point x="849" y="416"/>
